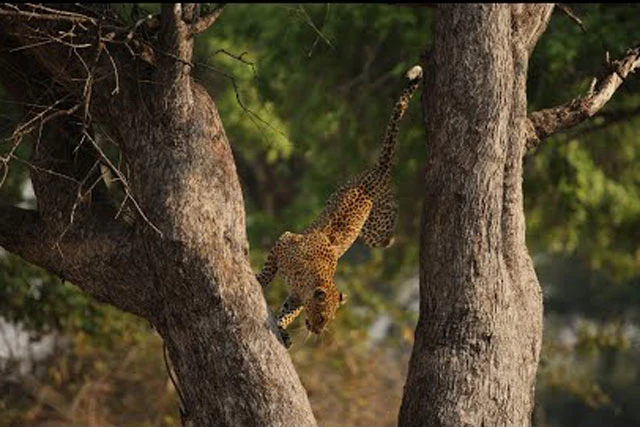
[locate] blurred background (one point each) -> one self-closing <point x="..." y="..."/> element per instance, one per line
<point x="304" y="92"/>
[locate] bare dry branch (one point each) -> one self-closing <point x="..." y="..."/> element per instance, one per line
<point x="47" y="17"/>
<point x="123" y="180"/>
<point x="116" y="75"/>
<point x="24" y="129"/>
<point x="571" y="14"/>
<point x="302" y="13"/>
<point x="43" y="170"/>
<point x="41" y="118"/>
<point x="544" y="123"/>
<point x="57" y="11"/>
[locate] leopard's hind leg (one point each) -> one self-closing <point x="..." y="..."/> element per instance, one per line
<point x="270" y="267"/>
<point x="377" y="231"/>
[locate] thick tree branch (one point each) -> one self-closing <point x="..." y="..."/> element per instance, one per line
<point x="99" y="258"/>
<point x="529" y="22"/>
<point x="208" y="20"/>
<point x="176" y="44"/>
<point x="74" y="233"/>
<point x="544" y="123"/>
<point x="176" y="40"/>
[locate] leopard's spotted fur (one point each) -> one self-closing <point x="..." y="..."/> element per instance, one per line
<point x="362" y="207"/>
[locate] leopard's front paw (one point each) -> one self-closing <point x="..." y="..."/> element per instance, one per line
<point x="286" y="338"/>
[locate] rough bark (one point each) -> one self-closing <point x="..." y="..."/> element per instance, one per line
<point x="480" y="327"/>
<point x="183" y="264"/>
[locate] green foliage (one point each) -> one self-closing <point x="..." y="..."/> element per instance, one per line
<point x="582" y="190"/>
<point x="596" y="200"/>
<point x="332" y="72"/>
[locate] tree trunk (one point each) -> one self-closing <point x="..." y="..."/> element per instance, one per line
<point x="231" y="367"/>
<point x="183" y="265"/>
<point x="480" y="327"/>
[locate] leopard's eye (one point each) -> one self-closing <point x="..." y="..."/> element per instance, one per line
<point x="319" y="294"/>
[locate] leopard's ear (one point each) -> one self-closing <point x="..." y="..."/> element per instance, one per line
<point x="343" y="298"/>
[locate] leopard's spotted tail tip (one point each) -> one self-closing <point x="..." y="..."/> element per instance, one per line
<point x="414" y="73"/>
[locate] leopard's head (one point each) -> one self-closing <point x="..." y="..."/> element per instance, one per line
<point x="321" y="307"/>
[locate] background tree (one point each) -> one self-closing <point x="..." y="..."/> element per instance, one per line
<point x="320" y="128"/>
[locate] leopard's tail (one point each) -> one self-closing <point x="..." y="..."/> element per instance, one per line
<point x="393" y="126"/>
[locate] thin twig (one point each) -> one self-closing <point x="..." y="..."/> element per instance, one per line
<point x="234" y="83"/>
<point x="5" y="160"/>
<point x="57" y="11"/>
<point x="27" y="128"/>
<point x="43" y="170"/>
<point x="76" y="203"/>
<point x="315" y="42"/>
<point x="567" y="11"/>
<point x="23" y="128"/>
<point x="122" y="206"/>
<point x="251" y="113"/>
<point x="237" y="57"/>
<point x="124" y="181"/>
<point x="31" y="46"/>
<point x="116" y="90"/>
<point x="303" y="12"/>
<point x="52" y="17"/>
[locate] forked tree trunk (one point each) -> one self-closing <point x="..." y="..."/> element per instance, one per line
<point x="480" y="328"/>
<point x="184" y="264"/>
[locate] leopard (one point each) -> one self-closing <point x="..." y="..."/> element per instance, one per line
<point x="363" y="207"/>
